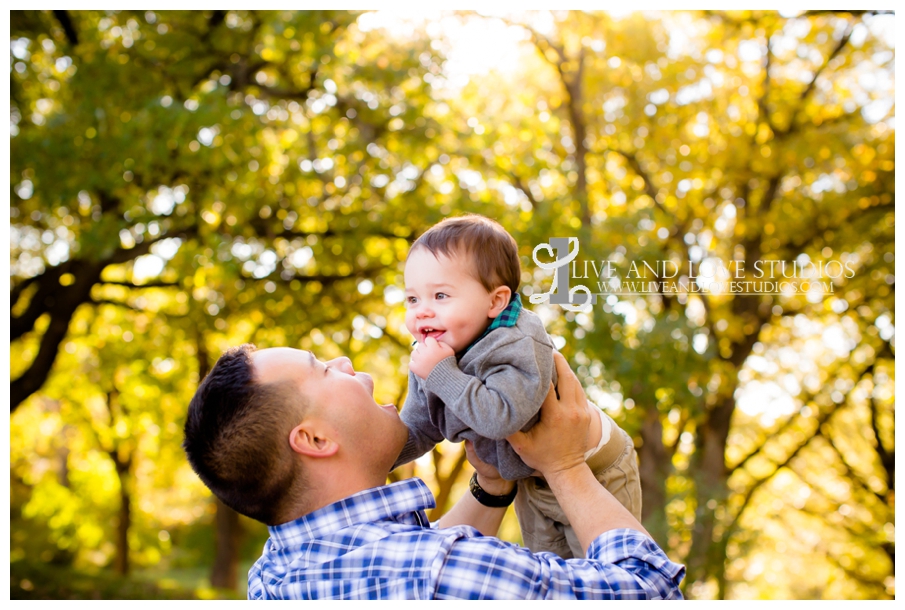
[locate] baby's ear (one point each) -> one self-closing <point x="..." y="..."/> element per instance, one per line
<point x="499" y="299"/>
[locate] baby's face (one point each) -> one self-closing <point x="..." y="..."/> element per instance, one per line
<point x="443" y="300"/>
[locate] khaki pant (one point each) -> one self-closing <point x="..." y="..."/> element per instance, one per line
<point x="544" y="525"/>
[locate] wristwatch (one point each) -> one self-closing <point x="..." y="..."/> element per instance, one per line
<point x="487" y="499"/>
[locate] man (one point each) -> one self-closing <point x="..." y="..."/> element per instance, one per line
<point x="302" y="446"/>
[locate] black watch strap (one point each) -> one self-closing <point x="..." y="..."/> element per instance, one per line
<point x="489" y="499"/>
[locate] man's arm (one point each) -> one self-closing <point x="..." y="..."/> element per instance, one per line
<point x="556" y="447"/>
<point x="621" y="564"/>
<point x="468" y="511"/>
<point x="622" y="561"/>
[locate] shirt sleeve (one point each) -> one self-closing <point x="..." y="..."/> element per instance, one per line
<point x="621" y="564"/>
<point x="512" y="386"/>
<point x="423" y="434"/>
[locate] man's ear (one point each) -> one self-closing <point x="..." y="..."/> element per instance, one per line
<point x="499" y="299"/>
<point x="310" y="438"/>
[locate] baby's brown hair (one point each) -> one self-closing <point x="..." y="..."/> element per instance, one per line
<point x="492" y="252"/>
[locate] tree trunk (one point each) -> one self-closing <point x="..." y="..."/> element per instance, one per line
<point x="228" y="539"/>
<point x="446" y="483"/>
<point x="654" y="469"/>
<point x="579" y="135"/>
<point x="227" y="527"/>
<point x="201" y="354"/>
<point x="705" y="559"/>
<point x="124" y="521"/>
<point x="60" y="302"/>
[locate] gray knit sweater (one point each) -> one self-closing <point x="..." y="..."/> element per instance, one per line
<point x="495" y="389"/>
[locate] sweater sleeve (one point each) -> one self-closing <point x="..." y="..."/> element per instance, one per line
<point x="514" y="380"/>
<point x="423" y="434"/>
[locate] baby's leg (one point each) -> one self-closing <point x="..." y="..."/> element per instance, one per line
<point x="541" y="519"/>
<point x="615" y="465"/>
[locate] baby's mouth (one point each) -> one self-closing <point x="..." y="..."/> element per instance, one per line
<point x="431" y="332"/>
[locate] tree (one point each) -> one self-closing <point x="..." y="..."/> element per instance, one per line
<point x="750" y="141"/>
<point x="187" y="181"/>
<point x="226" y="175"/>
<point x="152" y="170"/>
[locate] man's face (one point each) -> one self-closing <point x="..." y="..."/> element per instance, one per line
<point x="443" y="300"/>
<point x="340" y="396"/>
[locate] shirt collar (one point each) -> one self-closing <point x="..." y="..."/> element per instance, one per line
<point x="508" y="317"/>
<point x="403" y="501"/>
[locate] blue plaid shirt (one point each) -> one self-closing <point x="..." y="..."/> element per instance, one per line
<point x="378" y="544"/>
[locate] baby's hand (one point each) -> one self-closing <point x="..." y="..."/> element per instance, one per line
<point x="427" y="355"/>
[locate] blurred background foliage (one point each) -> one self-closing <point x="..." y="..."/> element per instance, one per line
<point x="182" y="182"/>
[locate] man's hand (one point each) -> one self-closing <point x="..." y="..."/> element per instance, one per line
<point x="426" y="356"/>
<point x="559" y="440"/>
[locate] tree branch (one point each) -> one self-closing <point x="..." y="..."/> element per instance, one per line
<point x="853" y="476"/>
<point x="854" y="574"/>
<point x="116" y="304"/>
<point x="526" y="191"/>
<point x="446" y="483"/>
<point x="69" y="29"/>
<point x="762" y="100"/>
<point x="157" y="284"/>
<point x="16" y="293"/>
<point x="649" y="189"/>
<point x="777" y="433"/>
<point x="793" y="125"/>
<point x="887" y="458"/>
<point x="822" y="422"/>
<point x="758" y="483"/>
<point x="541" y="42"/>
<point x="48" y="286"/>
<point x="808" y="238"/>
<point x="684" y="418"/>
<point x="61" y="303"/>
<point x="822" y="550"/>
<point x="816" y="13"/>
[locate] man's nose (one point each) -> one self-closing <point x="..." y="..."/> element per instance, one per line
<point x="342" y="364"/>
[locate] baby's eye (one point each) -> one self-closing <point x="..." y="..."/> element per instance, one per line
<point x="441" y="295"/>
<point x="411" y="300"/>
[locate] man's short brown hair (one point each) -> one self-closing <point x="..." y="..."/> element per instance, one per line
<point x="492" y="252"/>
<point x="237" y="439"/>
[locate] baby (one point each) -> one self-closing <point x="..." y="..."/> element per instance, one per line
<point x="483" y="367"/>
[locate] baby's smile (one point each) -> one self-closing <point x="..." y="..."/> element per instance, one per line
<point x="429" y="331"/>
